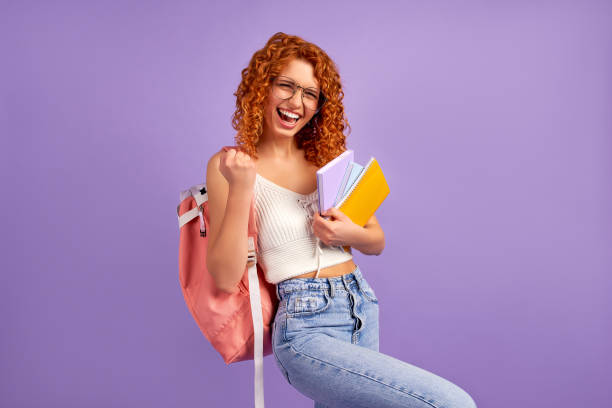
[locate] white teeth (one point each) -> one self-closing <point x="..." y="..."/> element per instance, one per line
<point x="290" y="114"/>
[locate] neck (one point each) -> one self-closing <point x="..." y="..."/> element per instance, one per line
<point x="278" y="148"/>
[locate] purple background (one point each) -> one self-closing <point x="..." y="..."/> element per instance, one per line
<point x="491" y="121"/>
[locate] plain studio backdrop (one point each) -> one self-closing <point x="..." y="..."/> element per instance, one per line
<point x="491" y="121"/>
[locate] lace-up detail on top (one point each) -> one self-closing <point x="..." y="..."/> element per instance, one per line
<point x="287" y="244"/>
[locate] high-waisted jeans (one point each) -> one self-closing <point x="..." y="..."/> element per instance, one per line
<point x="325" y="341"/>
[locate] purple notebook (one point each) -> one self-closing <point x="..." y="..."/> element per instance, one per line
<point x="330" y="177"/>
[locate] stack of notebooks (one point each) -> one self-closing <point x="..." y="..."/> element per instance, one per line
<point x="354" y="189"/>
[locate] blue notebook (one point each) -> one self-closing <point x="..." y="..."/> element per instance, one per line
<point x="352" y="174"/>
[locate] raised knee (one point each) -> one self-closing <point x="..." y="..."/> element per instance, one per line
<point x="464" y="400"/>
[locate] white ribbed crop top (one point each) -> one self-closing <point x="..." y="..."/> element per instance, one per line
<point x="287" y="245"/>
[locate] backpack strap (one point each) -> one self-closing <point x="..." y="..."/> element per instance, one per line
<point x="198" y="192"/>
<point x="256" y="308"/>
<point x="257" y="315"/>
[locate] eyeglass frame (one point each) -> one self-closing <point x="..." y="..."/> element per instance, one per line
<point x="322" y="96"/>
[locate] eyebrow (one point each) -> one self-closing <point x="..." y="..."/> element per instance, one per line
<point x="307" y="87"/>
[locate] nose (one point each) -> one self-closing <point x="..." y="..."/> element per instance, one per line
<point x="296" y="99"/>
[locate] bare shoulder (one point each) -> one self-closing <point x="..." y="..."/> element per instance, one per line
<point x="214" y="178"/>
<point x="213" y="161"/>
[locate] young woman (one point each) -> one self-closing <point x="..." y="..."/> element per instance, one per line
<point x="290" y="122"/>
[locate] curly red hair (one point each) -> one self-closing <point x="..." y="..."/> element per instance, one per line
<point x="324" y="138"/>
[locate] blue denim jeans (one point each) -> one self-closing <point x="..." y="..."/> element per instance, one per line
<point x="325" y="342"/>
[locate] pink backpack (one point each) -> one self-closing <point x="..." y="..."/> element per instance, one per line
<point x="238" y="325"/>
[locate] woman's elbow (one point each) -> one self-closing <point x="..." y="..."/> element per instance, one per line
<point x="221" y="284"/>
<point x="381" y="245"/>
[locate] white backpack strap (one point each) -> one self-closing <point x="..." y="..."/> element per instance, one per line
<point x="198" y="192"/>
<point x="188" y="216"/>
<point x="256" y="312"/>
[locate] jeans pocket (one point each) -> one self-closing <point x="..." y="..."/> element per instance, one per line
<point x="307" y="302"/>
<point x="367" y="291"/>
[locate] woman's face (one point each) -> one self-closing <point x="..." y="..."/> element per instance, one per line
<point x="275" y="125"/>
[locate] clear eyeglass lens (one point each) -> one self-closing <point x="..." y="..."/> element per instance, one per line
<point x="285" y="89"/>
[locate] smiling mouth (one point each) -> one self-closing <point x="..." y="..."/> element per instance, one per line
<point x="286" y="118"/>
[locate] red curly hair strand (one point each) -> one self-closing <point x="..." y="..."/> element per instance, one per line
<point x="324" y="138"/>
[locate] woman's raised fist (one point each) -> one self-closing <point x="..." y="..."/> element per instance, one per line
<point x="238" y="169"/>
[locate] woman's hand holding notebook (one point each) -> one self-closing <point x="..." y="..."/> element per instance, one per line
<point x="355" y="190"/>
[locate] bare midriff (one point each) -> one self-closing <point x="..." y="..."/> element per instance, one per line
<point x="331" y="271"/>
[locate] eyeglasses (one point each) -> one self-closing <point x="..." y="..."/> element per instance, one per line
<point x="284" y="88"/>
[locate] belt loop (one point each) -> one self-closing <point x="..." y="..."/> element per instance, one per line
<point x="276" y="290"/>
<point x="332" y="291"/>
<point x="346" y="286"/>
<point x="358" y="277"/>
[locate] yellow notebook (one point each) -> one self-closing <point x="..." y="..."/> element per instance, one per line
<point x="366" y="195"/>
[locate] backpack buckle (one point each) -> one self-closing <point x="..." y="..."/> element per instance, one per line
<point x="251" y="253"/>
<point x="202" y="223"/>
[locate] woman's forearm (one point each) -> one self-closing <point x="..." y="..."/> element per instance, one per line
<point x="227" y="257"/>
<point x="369" y="240"/>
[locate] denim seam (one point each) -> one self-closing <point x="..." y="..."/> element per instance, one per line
<point x="285" y="328"/>
<point x="414" y="395"/>
<point x="362" y="288"/>
<point x="285" y="372"/>
<point x="367" y="296"/>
